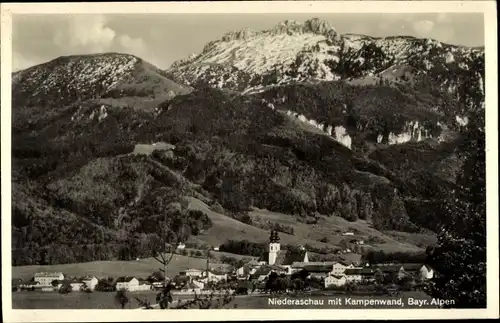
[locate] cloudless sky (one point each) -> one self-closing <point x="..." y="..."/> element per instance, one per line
<point x="164" y="38"/>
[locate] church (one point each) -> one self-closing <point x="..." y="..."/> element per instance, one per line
<point x="283" y="258"/>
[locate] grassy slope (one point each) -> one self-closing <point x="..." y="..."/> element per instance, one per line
<point x="330" y="227"/>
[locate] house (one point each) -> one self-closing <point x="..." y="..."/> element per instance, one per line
<point x="248" y="268"/>
<point x="357" y="242"/>
<point x="335" y="280"/>
<point x="76" y="285"/>
<point x="215" y="275"/>
<point x="193" y="272"/>
<point x="339" y="268"/>
<point x="198" y="283"/>
<point x="128" y="283"/>
<point x="245" y="271"/>
<point x="396" y="271"/>
<point x="216" y="248"/>
<point x="420" y="271"/>
<point x="132" y="284"/>
<point x="46" y="279"/>
<point x="426" y="272"/>
<point x="90" y="282"/>
<point x="181" y="246"/>
<point x="318" y="271"/>
<point x="282" y="258"/>
<point x="298" y="266"/>
<point x="143" y="286"/>
<point x="356" y="275"/>
<point x="157" y="285"/>
<point x="263" y="272"/>
<point x="348" y="234"/>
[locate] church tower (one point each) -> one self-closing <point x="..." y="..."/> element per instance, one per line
<point x="274" y="247"/>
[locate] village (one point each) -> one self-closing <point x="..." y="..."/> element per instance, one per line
<point x="292" y="271"/>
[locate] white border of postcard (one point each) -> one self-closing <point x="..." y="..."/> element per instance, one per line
<point x="486" y="7"/>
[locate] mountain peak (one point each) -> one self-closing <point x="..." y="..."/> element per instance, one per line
<point x="290" y="27"/>
<point x="65" y="78"/>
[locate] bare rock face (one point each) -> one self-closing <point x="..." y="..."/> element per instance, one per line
<point x="313" y="51"/>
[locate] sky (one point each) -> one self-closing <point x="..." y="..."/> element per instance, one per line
<point x="164" y="38"/>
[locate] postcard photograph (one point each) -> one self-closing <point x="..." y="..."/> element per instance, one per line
<point x="248" y="160"/>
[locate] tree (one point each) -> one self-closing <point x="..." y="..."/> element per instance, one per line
<point x="164" y="297"/>
<point x="379" y="277"/>
<point x="121" y="298"/>
<point x="65" y="288"/>
<point x="459" y="258"/>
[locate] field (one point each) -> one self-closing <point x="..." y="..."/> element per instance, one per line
<point x="75" y="300"/>
<point x="139" y="268"/>
<point x="105" y="300"/>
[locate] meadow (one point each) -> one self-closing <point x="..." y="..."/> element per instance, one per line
<point x="330" y="228"/>
<point x="74" y="300"/>
<point x="141" y="268"/>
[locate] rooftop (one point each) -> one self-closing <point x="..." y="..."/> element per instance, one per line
<point x="124" y="279"/>
<point x="287" y="257"/>
<point x="360" y="271"/>
<point x="412" y="267"/>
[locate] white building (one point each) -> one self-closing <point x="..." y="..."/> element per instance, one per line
<point x="418" y="271"/>
<point x="198" y="284"/>
<point x="194" y="272"/>
<point x="356" y="275"/>
<point x="426" y="272"/>
<point x="339" y="268"/>
<point x="274" y="248"/>
<point x="263" y="272"/>
<point x="90" y="282"/>
<point x="46" y="279"/>
<point x="215" y="276"/>
<point x="132" y="284"/>
<point x="158" y="284"/>
<point x="127" y="283"/>
<point x="334" y="280"/>
<point x="248" y="269"/>
<point x="76" y="286"/>
<point x="181" y="246"/>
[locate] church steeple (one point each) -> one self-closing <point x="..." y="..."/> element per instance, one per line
<point x="274" y="237"/>
<point x="274" y="246"/>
